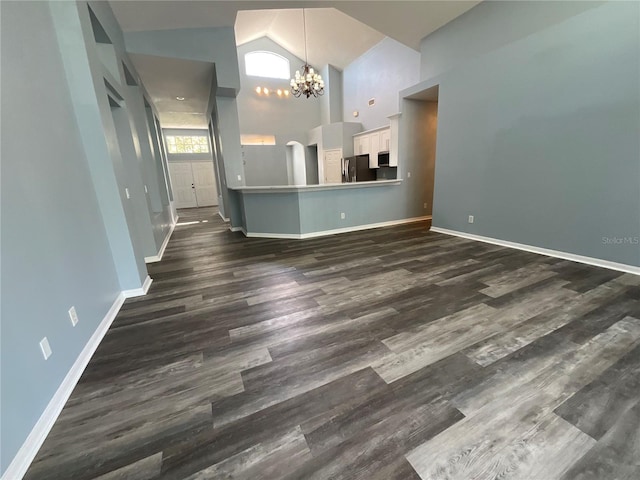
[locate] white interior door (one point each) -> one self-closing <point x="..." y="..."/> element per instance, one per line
<point x="184" y="192"/>
<point x="205" y="182"/>
<point x="333" y="166"/>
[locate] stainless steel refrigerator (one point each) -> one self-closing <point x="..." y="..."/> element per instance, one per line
<point x="356" y="169"/>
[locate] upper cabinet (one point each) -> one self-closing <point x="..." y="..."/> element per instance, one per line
<point x="385" y="140"/>
<point x="371" y="143"/>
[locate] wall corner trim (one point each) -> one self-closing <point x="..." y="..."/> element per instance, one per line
<point x="27" y="452"/>
<point x="226" y="220"/>
<point x="158" y="257"/>
<point x="324" y="233"/>
<point x="138" y="292"/>
<point x="597" y="262"/>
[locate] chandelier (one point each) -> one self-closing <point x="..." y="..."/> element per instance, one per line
<point x="308" y="82"/>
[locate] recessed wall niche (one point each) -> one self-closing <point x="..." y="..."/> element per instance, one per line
<point x="104" y="46"/>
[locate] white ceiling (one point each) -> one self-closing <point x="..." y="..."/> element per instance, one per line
<point x="338" y="45"/>
<point x="168" y="78"/>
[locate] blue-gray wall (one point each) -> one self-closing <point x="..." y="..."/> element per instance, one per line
<point x="265" y="164"/>
<point x="379" y="73"/>
<point x="69" y="235"/>
<point x="538" y="135"/>
<point x="288" y="118"/>
<point x="55" y="250"/>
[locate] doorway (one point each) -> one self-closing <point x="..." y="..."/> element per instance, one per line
<point x="419" y="132"/>
<point x="194" y="184"/>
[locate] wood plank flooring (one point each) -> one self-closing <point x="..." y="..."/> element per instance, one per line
<point x="394" y="353"/>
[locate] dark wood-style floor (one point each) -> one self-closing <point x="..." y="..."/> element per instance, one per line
<point x="394" y="353"/>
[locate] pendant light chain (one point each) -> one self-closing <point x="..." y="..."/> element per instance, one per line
<point x="304" y="32"/>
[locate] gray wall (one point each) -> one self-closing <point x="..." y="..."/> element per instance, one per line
<point x="286" y="118"/>
<point x="54" y="245"/>
<point x="538" y="138"/>
<point x="379" y="73"/>
<point x="265" y="164"/>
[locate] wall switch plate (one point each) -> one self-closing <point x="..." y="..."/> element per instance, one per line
<point x="342" y="215"/>
<point x="145" y="189"/>
<point x="46" y="348"/>
<point x="73" y="315"/>
<point x="470" y="218"/>
<point x="408" y="174"/>
<point x="126" y="192"/>
<point x="239" y="178"/>
<point x="424" y="205"/>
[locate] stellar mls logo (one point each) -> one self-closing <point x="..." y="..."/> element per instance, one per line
<point x="621" y="240"/>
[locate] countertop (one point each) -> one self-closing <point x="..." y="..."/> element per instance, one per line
<point x="315" y="188"/>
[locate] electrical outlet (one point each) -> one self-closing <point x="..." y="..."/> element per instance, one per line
<point x="239" y="178"/>
<point x="408" y="174"/>
<point x="73" y="315"/>
<point x="470" y="218"/>
<point x="424" y="205"/>
<point x="343" y="216"/>
<point x="126" y="192"/>
<point x="46" y="348"/>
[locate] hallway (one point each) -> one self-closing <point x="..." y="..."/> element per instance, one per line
<point x="368" y="355"/>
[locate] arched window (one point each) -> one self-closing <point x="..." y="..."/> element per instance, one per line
<point x="266" y="64"/>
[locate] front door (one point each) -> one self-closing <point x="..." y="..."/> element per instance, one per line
<point x="184" y="190"/>
<point x="205" y="183"/>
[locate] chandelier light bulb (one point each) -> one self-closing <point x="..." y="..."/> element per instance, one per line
<point x="258" y="90"/>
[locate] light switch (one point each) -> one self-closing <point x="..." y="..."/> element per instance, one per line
<point x="126" y="192"/>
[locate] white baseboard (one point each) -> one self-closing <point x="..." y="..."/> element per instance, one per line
<point x="138" y="292"/>
<point x="543" y="251"/>
<point x="20" y="463"/>
<point x="226" y="220"/>
<point x="324" y="233"/>
<point x="237" y="229"/>
<point x="158" y="257"/>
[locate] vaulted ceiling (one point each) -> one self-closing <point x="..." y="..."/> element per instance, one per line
<point x="338" y="32"/>
<point x="405" y="21"/>
<point x="332" y="37"/>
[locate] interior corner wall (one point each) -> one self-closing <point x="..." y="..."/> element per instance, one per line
<point x="331" y="101"/>
<point x="380" y="73"/>
<point x="538" y="135"/>
<point x="53" y="240"/>
<point x="287" y="118"/>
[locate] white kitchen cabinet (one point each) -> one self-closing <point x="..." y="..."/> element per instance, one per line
<point x="385" y="140"/>
<point x="372" y="143"/>
<point x="361" y="145"/>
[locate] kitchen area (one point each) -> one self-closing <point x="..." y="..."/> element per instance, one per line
<point x="372" y="159"/>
